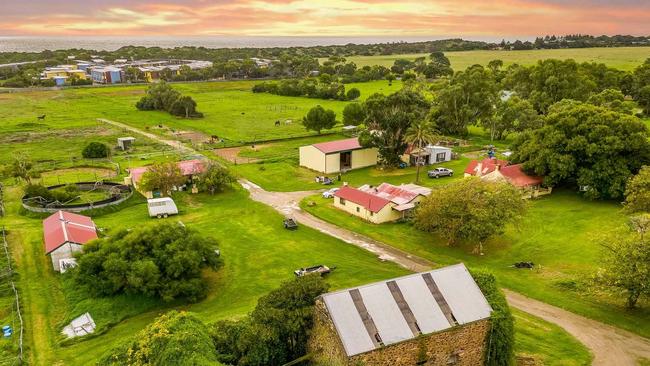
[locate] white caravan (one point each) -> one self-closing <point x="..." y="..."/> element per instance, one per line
<point x="161" y="207"/>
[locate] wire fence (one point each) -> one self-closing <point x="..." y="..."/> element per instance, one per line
<point x="7" y="284"/>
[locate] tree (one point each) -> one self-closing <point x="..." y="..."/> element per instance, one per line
<point x="96" y="150"/>
<point x="626" y="262"/>
<point x="215" y="179"/>
<point x="277" y="330"/>
<point x="184" y="106"/>
<point x="390" y="77"/>
<point x="612" y="99"/>
<point x="637" y="192"/>
<point x="163" y="260"/>
<point x="20" y="167"/>
<point x="160" y="96"/>
<point x="643" y="99"/>
<point x="512" y="115"/>
<point x="353" y="114"/>
<point x="440" y="58"/>
<point x="162" y="177"/>
<point x="353" y="94"/>
<point x="586" y="146"/>
<point x="471" y="209"/>
<point x="469" y="98"/>
<point x="318" y="119"/>
<point x="174" y="338"/>
<point x="419" y="134"/>
<point x="388" y="118"/>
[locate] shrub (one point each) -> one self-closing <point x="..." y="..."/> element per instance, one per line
<point x="160" y="260"/>
<point x="353" y="94"/>
<point x="174" y="338"/>
<point x="38" y="190"/>
<point x="501" y="339"/>
<point x="96" y="150"/>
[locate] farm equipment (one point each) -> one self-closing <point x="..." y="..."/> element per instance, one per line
<point x="321" y="270"/>
<point x="290" y="224"/>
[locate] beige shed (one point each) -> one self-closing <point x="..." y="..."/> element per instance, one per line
<point x="336" y="156"/>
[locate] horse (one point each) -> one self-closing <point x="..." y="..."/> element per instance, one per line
<point x="41" y="117"/>
<point x="277" y="123"/>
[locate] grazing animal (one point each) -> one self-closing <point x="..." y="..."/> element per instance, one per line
<point x="277" y="123"/>
<point x="41" y="117"/>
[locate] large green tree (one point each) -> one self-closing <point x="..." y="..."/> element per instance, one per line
<point x="469" y="98"/>
<point x="470" y="210"/>
<point x="587" y="146"/>
<point x="215" y="178"/>
<point x="512" y="115"/>
<point x="387" y="120"/>
<point x="164" y="260"/>
<point x="612" y="99"/>
<point x="162" y="176"/>
<point x="353" y="114"/>
<point x="318" y="119"/>
<point x="20" y="167"/>
<point x="626" y="261"/>
<point x="637" y="192"/>
<point x="277" y="330"/>
<point x="174" y="338"/>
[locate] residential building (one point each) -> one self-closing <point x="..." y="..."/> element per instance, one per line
<point x="61" y="73"/>
<point x="439" y="317"/>
<point x="337" y="156"/>
<point x="428" y="155"/>
<point x="107" y="75"/>
<point x="64" y="234"/>
<point x="493" y="170"/>
<point x="383" y="203"/>
<point x="189" y="168"/>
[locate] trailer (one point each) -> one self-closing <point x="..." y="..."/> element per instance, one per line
<point x="161" y="207"/>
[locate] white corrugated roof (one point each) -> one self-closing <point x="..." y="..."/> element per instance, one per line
<point x="458" y="300"/>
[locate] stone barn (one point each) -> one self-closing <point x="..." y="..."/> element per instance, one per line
<point x="337" y="156"/>
<point x="64" y="234"/>
<point x="438" y="317"/>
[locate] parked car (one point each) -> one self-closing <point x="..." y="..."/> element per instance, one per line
<point x="330" y="193"/>
<point x="440" y="172"/>
<point x="320" y="270"/>
<point x="161" y="207"/>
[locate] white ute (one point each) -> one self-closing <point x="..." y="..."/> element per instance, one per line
<point x="161" y="207"/>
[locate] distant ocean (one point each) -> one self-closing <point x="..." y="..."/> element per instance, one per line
<point x="106" y="43"/>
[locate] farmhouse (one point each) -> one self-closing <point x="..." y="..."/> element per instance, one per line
<point x="65" y="233"/>
<point x="383" y="203"/>
<point x="430" y="154"/>
<point x="189" y="168"/>
<point x="493" y="170"/>
<point x="438" y="317"/>
<point x="337" y="156"/>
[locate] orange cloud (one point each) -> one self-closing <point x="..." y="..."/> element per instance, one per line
<point x="326" y="17"/>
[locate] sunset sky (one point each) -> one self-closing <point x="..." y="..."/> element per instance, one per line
<point x="464" y="18"/>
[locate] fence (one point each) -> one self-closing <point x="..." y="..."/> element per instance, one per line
<point x="7" y="274"/>
<point x="2" y="205"/>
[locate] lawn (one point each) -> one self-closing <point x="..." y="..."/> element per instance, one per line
<point x="232" y="111"/>
<point x="559" y="234"/>
<point x="624" y="58"/>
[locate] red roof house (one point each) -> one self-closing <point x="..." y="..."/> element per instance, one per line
<point x="64" y="233"/>
<point x="369" y="201"/>
<point x="518" y="178"/>
<point x="483" y="167"/>
<point x="187" y="167"/>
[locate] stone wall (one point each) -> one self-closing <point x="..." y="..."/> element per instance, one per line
<point x="465" y="345"/>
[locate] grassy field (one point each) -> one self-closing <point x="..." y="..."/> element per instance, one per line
<point x="624" y="58"/>
<point x="231" y="110"/>
<point x="559" y="234"/>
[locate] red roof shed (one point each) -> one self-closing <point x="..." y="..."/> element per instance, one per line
<point x="332" y="147"/>
<point x="65" y="227"/>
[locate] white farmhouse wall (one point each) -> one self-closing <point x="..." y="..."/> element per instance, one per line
<point x="66" y="250"/>
<point x="364" y="157"/>
<point x="384" y="215"/>
<point x="312" y="158"/>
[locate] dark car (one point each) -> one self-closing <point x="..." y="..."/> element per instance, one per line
<point x="440" y="172"/>
<point x="290" y="224"/>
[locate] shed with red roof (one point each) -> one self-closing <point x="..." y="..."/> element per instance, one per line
<point x="336" y="156"/>
<point x="65" y="233"/>
<point x="189" y="168"/>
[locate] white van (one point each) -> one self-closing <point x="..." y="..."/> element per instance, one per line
<point x="161" y="207"/>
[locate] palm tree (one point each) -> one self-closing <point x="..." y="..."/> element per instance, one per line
<point x="419" y="134"/>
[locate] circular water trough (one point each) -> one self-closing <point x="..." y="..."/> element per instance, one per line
<point x="118" y="193"/>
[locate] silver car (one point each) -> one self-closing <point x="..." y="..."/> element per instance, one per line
<point x="440" y="172"/>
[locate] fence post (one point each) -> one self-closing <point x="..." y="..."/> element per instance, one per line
<point x="13" y="286"/>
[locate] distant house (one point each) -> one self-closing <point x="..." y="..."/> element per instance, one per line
<point x="439" y="317"/>
<point x="336" y="156"/>
<point x="383" y="203"/>
<point x="189" y="168"/>
<point x="107" y="75"/>
<point x="430" y="154"/>
<point x="64" y="234"/>
<point x="493" y="170"/>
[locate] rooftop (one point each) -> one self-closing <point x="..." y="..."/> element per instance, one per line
<point x="187" y="167"/>
<point x="369" y="201"/>
<point x="518" y="178"/>
<point x="383" y="313"/>
<point x="62" y="227"/>
<point x="331" y="147"/>
<point x="399" y="195"/>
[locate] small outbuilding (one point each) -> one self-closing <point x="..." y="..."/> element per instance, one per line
<point x="125" y="143"/>
<point x="337" y="156"/>
<point x="80" y="326"/>
<point x="439" y="317"/>
<point x="64" y="234"/>
<point x="428" y="155"/>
